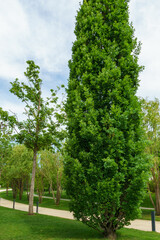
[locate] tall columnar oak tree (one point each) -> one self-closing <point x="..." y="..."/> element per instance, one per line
<point x="105" y="166"/>
<point x="39" y="130"/>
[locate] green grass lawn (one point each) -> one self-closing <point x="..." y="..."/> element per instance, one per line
<point x="146" y="214"/>
<point x="147" y="202"/>
<point x="48" y="203"/>
<point x="63" y="195"/>
<point x="17" y="225"/>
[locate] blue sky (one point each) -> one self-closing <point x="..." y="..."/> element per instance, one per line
<point x="43" y="30"/>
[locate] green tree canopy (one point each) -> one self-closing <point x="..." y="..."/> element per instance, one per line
<point x="151" y="110"/>
<point x="18" y="168"/>
<point x="52" y="169"/>
<point x="105" y="165"/>
<point x="42" y="127"/>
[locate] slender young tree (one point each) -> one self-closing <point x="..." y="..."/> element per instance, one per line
<point x="105" y="166"/>
<point x="39" y="130"/>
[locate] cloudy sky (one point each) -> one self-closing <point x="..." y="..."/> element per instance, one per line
<point x="42" y="30"/>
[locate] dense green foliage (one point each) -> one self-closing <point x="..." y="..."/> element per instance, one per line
<point x="105" y="165"/>
<point x="17" y="169"/>
<point x="151" y="110"/>
<point x="6" y="129"/>
<point x="51" y="166"/>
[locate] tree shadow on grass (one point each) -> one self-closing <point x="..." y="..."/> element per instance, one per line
<point x="37" y="227"/>
<point x="54" y="227"/>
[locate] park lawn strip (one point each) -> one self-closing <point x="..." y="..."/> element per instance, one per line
<point x="146" y="215"/>
<point x="147" y="202"/>
<point x="64" y="205"/>
<point x="17" y="225"/>
<point x="47" y="203"/>
<point x="63" y="195"/>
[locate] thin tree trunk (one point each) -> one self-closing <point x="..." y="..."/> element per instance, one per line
<point x="40" y="194"/>
<point x="49" y="190"/>
<point x="157" y="200"/>
<point x="58" y="195"/>
<point x="31" y="194"/>
<point x="150" y="196"/>
<point x="21" y="190"/>
<point x="14" y="188"/>
<point x="27" y="186"/>
<point x="7" y="186"/>
<point x="52" y="192"/>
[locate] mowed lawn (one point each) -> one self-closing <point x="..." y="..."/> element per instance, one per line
<point x="146" y="214"/>
<point x="17" y="225"/>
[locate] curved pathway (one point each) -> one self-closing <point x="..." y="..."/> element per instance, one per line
<point x="41" y="210"/>
<point x="144" y="225"/>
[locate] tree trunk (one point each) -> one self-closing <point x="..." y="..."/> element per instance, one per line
<point x="14" y="188"/>
<point x="110" y="234"/>
<point x="21" y="190"/>
<point x="157" y="200"/>
<point x="40" y="197"/>
<point x="58" y="195"/>
<point x="52" y="192"/>
<point x="40" y="194"/>
<point x="49" y="190"/>
<point x="150" y="196"/>
<point x="31" y="194"/>
<point x="27" y="186"/>
<point x="7" y="186"/>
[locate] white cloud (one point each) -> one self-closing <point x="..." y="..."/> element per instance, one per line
<point x="145" y="16"/>
<point x="39" y="30"/>
<point x="13" y="32"/>
<point x="43" y="30"/>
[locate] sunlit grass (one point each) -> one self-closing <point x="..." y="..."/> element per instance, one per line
<point x="17" y="225"/>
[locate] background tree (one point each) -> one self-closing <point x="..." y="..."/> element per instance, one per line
<point x="6" y="130"/>
<point x="6" y="142"/>
<point x="105" y="165"/>
<point x="52" y="170"/>
<point x="39" y="130"/>
<point x="151" y="110"/>
<point x="5" y="147"/>
<point x="19" y="169"/>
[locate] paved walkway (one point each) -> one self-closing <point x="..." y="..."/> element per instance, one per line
<point x="41" y="210"/>
<point x="64" y="199"/>
<point x="144" y="225"/>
